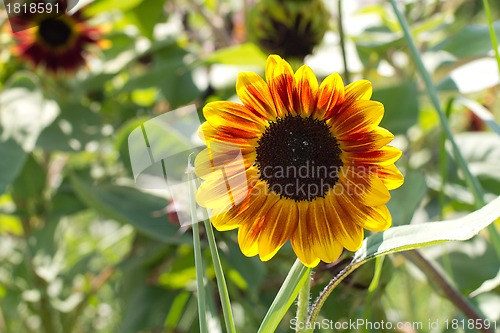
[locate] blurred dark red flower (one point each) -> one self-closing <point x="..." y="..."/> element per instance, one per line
<point x="56" y="42"/>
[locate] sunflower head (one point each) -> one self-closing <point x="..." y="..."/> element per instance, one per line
<point x="54" y="41"/>
<point x="291" y="28"/>
<point x="297" y="161"/>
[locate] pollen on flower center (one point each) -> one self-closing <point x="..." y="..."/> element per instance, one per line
<point x="54" y="32"/>
<point x="298" y="158"/>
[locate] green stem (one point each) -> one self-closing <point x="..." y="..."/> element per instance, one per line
<point x="198" y="260"/>
<point x="493" y="36"/>
<point x="372" y="289"/>
<point x="451" y="293"/>
<point x="303" y="304"/>
<point x="471" y="180"/>
<point x="320" y="300"/>
<point x="219" y="273"/>
<point x="347" y="75"/>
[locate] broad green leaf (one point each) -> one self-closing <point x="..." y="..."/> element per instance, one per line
<point x="11" y="162"/>
<point x="470" y="263"/>
<point x="170" y="74"/>
<point x="411" y="237"/>
<point x="24" y="113"/>
<point x="131" y="206"/>
<point x="30" y="183"/>
<point x="101" y="6"/>
<point x="401" y="106"/>
<point x="286" y="296"/>
<point x="147" y="308"/>
<point x="405" y="200"/>
<point x="472" y="41"/>
<point x="146" y="15"/>
<point x="243" y="55"/>
<point x="75" y="126"/>
<point x="482" y="153"/>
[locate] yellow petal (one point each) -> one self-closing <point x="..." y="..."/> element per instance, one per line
<point x="330" y="95"/>
<point x="234" y="116"/>
<point x="279" y="76"/>
<point x="364" y="185"/>
<point x="345" y="230"/>
<point x="384" y="156"/>
<point x="358" y="90"/>
<point x="371" y="218"/>
<point x="253" y="91"/>
<point x="361" y="142"/>
<point x="303" y="238"/>
<point x="359" y="116"/>
<point x="390" y="176"/>
<point x="323" y="222"/>
<point x="305" y="89"/>
<point x="281" y="222"/>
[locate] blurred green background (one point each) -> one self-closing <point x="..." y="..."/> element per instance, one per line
<point x="83" y="249"/>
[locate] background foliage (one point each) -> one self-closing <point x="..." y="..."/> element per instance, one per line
<point x="85" y="250"/>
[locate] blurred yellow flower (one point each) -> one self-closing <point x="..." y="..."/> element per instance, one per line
<point x="314" y="166"/>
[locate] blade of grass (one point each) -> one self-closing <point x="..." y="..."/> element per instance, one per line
<point x="493" y="36"/>
<point x="198" y="260"/>
<point x="471" y="180"/>
<point x="219" y="273"/>
<point x="297" y="276"/>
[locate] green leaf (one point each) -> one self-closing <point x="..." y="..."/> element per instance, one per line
<point x="146" y="309"/>
<point x="472" y="41"/>
<point x="131" y="206"/>
<point x="405" y="200"/>
<point x="76" y="126"/>
<point x="146" y="15"/>
<point x="101" y="6"/>
<point x="170" y="74"/>
<point x="242" y="55"/>
<point x="482" y="153"/>
<point x="30" y="184"/>
<point x="401" y="106"/>
<point x="286" y="295"/>
<point x="11" y="163"/>
<point x="411" y="237"/>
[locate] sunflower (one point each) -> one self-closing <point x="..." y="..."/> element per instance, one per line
<point x="292" y="28"/>
<point x="55" y="42"/>
<point x="299" y="161"/>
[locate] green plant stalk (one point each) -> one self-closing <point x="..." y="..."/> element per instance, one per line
<point x="289" y="290"/>
<point x="493" y="36"/>
<point x="451" y="293"/>
<point x="303" y="303"/>
<point x="198" y="260"/>
<point x="471" y="180"/>
<point x="372" y="289"/>
<point x="340" y="22"/>
<point x="443" y="164"/>
<point x="219" y="273"/>
<point x="320" y="300"/>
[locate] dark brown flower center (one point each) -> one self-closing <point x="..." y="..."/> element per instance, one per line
<point x="54" y="32"/>
<point x="299" y="158"/>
